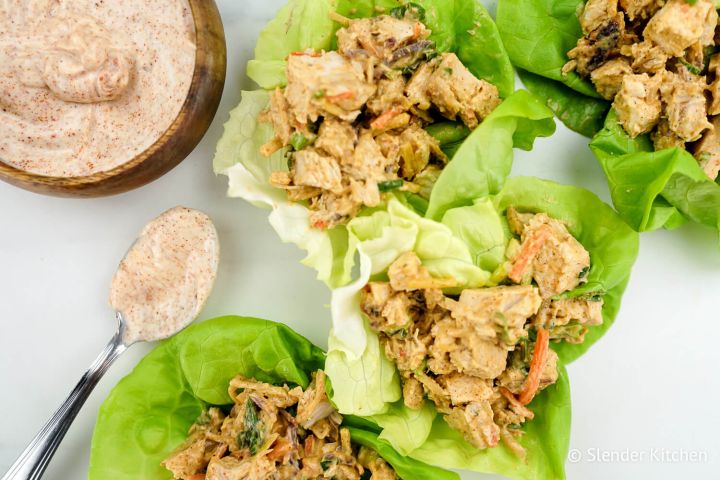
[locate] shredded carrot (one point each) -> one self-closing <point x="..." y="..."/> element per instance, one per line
<point x="517" y="406"/>
<point x="305" y="54"/>
<point x="320" y="224"/>
<point x="279" y="450"/>
<point x="384" y="120"/>
<point x="341" y="96"/>
<point x="527" y="254"/>
<point x="417" y="30"/>
<point x="537" y="364"/>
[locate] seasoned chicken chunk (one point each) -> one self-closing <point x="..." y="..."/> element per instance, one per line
<point x="416" y="149"/>
<point x="456" y="92"/>
<point x="279" y="116"/>
<point x="498" y="312"/>
<point x="381" y="36"/>
<point x="678" y="25"/>
<point x="646" y="57"/>
<point x="707" y="150"/>
<point x="476" y="424"/>
<point x="336" y="138"/>
<point x="464" y="389"/>
<point x="188" y="459"/>
<point x="325" y="84"/>
<point x="638" y="104"/>
<point x="367" y="161"/>
<point x="596" y="12"/>
<point x="569" y="318"/>
<point x="608" y="77"/>
<point x="315" y="170"/>
<point x="597" y="47"/>
<point x="663" y="137"/>
<point x="407" y="273"/>
<point x="553" y="257"/>
<point x="640" y="8"/>
<point x="686" y="106"/>
<point x="390" y="94"/>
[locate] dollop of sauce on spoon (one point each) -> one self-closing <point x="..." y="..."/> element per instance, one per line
<point x="167" y="275"/>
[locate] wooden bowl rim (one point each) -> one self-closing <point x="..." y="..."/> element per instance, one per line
<point x="73" y="186"/>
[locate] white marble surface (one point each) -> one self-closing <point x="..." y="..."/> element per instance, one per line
<point x="650" y="386"/>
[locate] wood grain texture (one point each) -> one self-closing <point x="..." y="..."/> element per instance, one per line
<point x="178" y="140"/>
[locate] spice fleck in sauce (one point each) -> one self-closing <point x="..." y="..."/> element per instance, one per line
<point x="164" y="280"/>
<point x="86" y="85"/>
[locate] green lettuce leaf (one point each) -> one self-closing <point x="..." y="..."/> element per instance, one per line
<point x="538" y="34"/>
<point x="150" y="411"/>
<point x="470" y="237"/>
<point x="484" y="160"/>
<point x="578" y="112"/>
<point x="460" y="26"/>
<point x="654" y="189"/>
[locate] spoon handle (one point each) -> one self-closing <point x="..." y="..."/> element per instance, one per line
<point x="31" y="464"/>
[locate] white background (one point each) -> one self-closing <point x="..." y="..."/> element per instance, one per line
<point x="650" y="384"/>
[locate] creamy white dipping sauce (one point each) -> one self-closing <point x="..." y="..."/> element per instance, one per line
<point x="165" y="279"/>
<point x="86" y="85"/>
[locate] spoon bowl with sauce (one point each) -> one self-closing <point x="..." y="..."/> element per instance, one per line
<point x="158" y="289"/>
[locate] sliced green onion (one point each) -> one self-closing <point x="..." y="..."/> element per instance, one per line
<point x="691" y="68"/>
<point x="299" y="141"/>
<point x="390" y="185"/>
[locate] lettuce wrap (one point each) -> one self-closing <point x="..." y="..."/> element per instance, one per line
<point x="460" y="26"/>
<point x="464" y="235"/>
<point x="149" y="412"/>
<point x="650" y="189"/>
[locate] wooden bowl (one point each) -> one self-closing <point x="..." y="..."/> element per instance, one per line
<point x="178" y="140"/>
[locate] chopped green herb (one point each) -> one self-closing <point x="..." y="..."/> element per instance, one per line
<point x="502" y="321"/>
<point x="299" y="141"/>
<point x="328" y="461"/>
<point x="584" y="272"/>
<point x="691" y="68"/>
<point x="252" y="436"/>
<point x="449" y="71"/>
<point x="319" y="94"/>
<point x="390" y="185"/>
<point x="410" y="9"/>
<point x="203" y="419"/>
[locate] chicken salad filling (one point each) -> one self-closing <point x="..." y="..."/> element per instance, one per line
<point x="658" y="62"/>
<point x="274" y="432"/>
<point x="352" y="121"/>
<point x="482" y="355"/>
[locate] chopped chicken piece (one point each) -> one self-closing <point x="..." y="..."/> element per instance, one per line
<point x="457" y="92"/>
<point x="407" y="274"/>
<point x="707" y="150"/>
<point x="390" y="94"/>
<point x="476" y="356"/>
<point x="279" y="116"/>
<point x="554" y="258"/>
<point x="596" y="12"/>
<point x="663" y="137"/>
<point x="640" y="8"/>
<point x="638" y="104"/>
<point x="332" y="209"/>
<point x="569" y="318"/>
<point x="413" y="393"/>
<point x="417" y="88"/>
<point x="596" y="47"/>
<point x="336" y="138"/>
<point x="609" y="76"/>
<point x="497" y="313"/>
<point x="416" y="149"/>
<point x="465" y="389"/>
<point x="325" y="84"/>
<point x="274" y="432"/>
<point x="315" y="170"/>
<point x="475" y="422"/>
<point x="646" y="57"/>
<point x="678" y="25"/>
<point x="686" y="106"/>
<point x="367" y="161"/>
<point x="381" y="36"/>
<point x="407" y="352"/>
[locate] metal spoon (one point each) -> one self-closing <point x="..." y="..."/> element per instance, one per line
<point x="31" y="464"/>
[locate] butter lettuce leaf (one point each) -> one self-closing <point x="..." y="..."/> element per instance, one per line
<point x="148" y="414"/>
<point x="654" y="189"/>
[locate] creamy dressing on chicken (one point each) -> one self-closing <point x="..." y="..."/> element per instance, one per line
<point x="353" y="120"/>
<point x="481" y="356"/>
<point x="87" y="85"/>
<point x="274" y="432"/>
<point x="657" y="62"/>
<point x="167" y="275"/>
